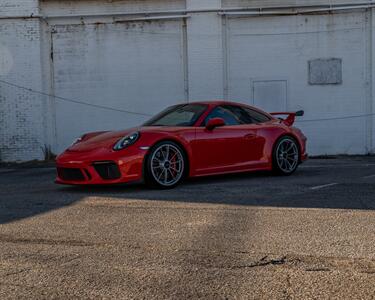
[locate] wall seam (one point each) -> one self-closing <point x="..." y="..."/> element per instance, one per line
<point x="369" y="81"/>
<point x="225" y="57"/>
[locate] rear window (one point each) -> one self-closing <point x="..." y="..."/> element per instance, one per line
<point x="256" y="116"/>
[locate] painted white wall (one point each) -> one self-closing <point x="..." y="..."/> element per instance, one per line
<point x="278" y="3"/>
<point x="143" y="66"/>
<point x="205" y="57"/>
<point x="370" y="82"/>
<point x="90" y="7"/>
<point x="133" y="66"/>
<point x="279" y="48"/>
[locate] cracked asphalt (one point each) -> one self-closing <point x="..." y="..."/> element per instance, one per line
<point x="249" y="236"/>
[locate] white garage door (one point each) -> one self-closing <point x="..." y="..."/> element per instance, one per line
<point x="285" y="47"/>
<point x="133" y="66"/>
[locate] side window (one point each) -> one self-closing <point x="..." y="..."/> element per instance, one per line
<point x="240" y="113"/>
<point x="225" y="114"/>
<point x="257" y="117"/>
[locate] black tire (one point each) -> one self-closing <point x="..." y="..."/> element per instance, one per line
<point x="165" y="172"/>
<point x="286" y="156"/>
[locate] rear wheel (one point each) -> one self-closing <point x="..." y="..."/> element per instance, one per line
<point x="286" y="156"/>
<point x="165" y="165"/>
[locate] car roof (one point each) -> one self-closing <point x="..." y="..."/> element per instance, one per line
<point x="226" y="102"/>
<point x="223" y="102"/>
<point x="216" y="102"/>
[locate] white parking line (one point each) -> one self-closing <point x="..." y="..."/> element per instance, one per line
<point x="318" y="187"/>
<point x="337" y="166"/>
<point x="370" y="176"/>
<point x="28" y="169"/>
<point x="6" y="170"/>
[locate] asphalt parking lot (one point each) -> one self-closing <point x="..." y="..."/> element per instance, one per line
<point x="249" y="236"/>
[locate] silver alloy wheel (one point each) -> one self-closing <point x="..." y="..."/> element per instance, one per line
<point x="287" y="155"/>
<point x="167" y="165"/>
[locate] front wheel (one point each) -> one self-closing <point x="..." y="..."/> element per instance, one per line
<point x="165" y="165"/>
<point x="286" y="156"/>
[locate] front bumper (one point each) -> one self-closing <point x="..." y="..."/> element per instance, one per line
<point x="100" y="167"/>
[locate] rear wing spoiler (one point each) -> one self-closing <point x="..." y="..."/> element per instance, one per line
<point x="289" y="121"/>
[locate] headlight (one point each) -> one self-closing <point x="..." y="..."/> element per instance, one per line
<point x="126" y="141"/>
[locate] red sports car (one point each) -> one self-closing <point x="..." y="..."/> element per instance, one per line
<point x="186" y="140"/>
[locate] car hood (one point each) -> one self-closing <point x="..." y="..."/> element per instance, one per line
<point x="97" y="140"/>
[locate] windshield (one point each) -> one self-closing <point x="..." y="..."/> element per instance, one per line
<point x="179" y="115"/>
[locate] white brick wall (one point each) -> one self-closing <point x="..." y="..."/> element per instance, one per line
<point x="18" y="8"/>
<point x="21" y="118"/>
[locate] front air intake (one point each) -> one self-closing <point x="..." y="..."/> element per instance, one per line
<point x="70" y="174"/>
<point x="107" y="170"/>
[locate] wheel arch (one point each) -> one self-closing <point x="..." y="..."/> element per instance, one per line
<point x="167" y="139"/>
<point x="291" y="135"/>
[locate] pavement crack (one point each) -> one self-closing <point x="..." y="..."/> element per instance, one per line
<point x="7" y="239"/>
<point x="370" y="272"/>
<point x="288" y="288"/>
<point x="264" y="261"/>
<point x="16" y="272"/>
<point x="317" y="270"/>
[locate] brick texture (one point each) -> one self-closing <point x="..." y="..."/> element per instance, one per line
<point x="21" y="119"/>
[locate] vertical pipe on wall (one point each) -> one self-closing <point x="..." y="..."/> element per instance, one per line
<point x="369" y="80"/>
<point x="225" y="57"/>
<point x="185" y="59"/>
<point x="49" y="109"/>
<point x="44" y="42"/>
<point x="52" y="92"/>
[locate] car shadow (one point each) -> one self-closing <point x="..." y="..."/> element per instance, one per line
<point x="248" y="189"/>
<point x="32" y="192"/>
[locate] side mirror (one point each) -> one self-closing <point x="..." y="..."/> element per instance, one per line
<point x="300" y="113"/>
<point x="215" y="122"/>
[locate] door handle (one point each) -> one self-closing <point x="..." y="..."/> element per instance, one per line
<point x="250" y="136"/>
